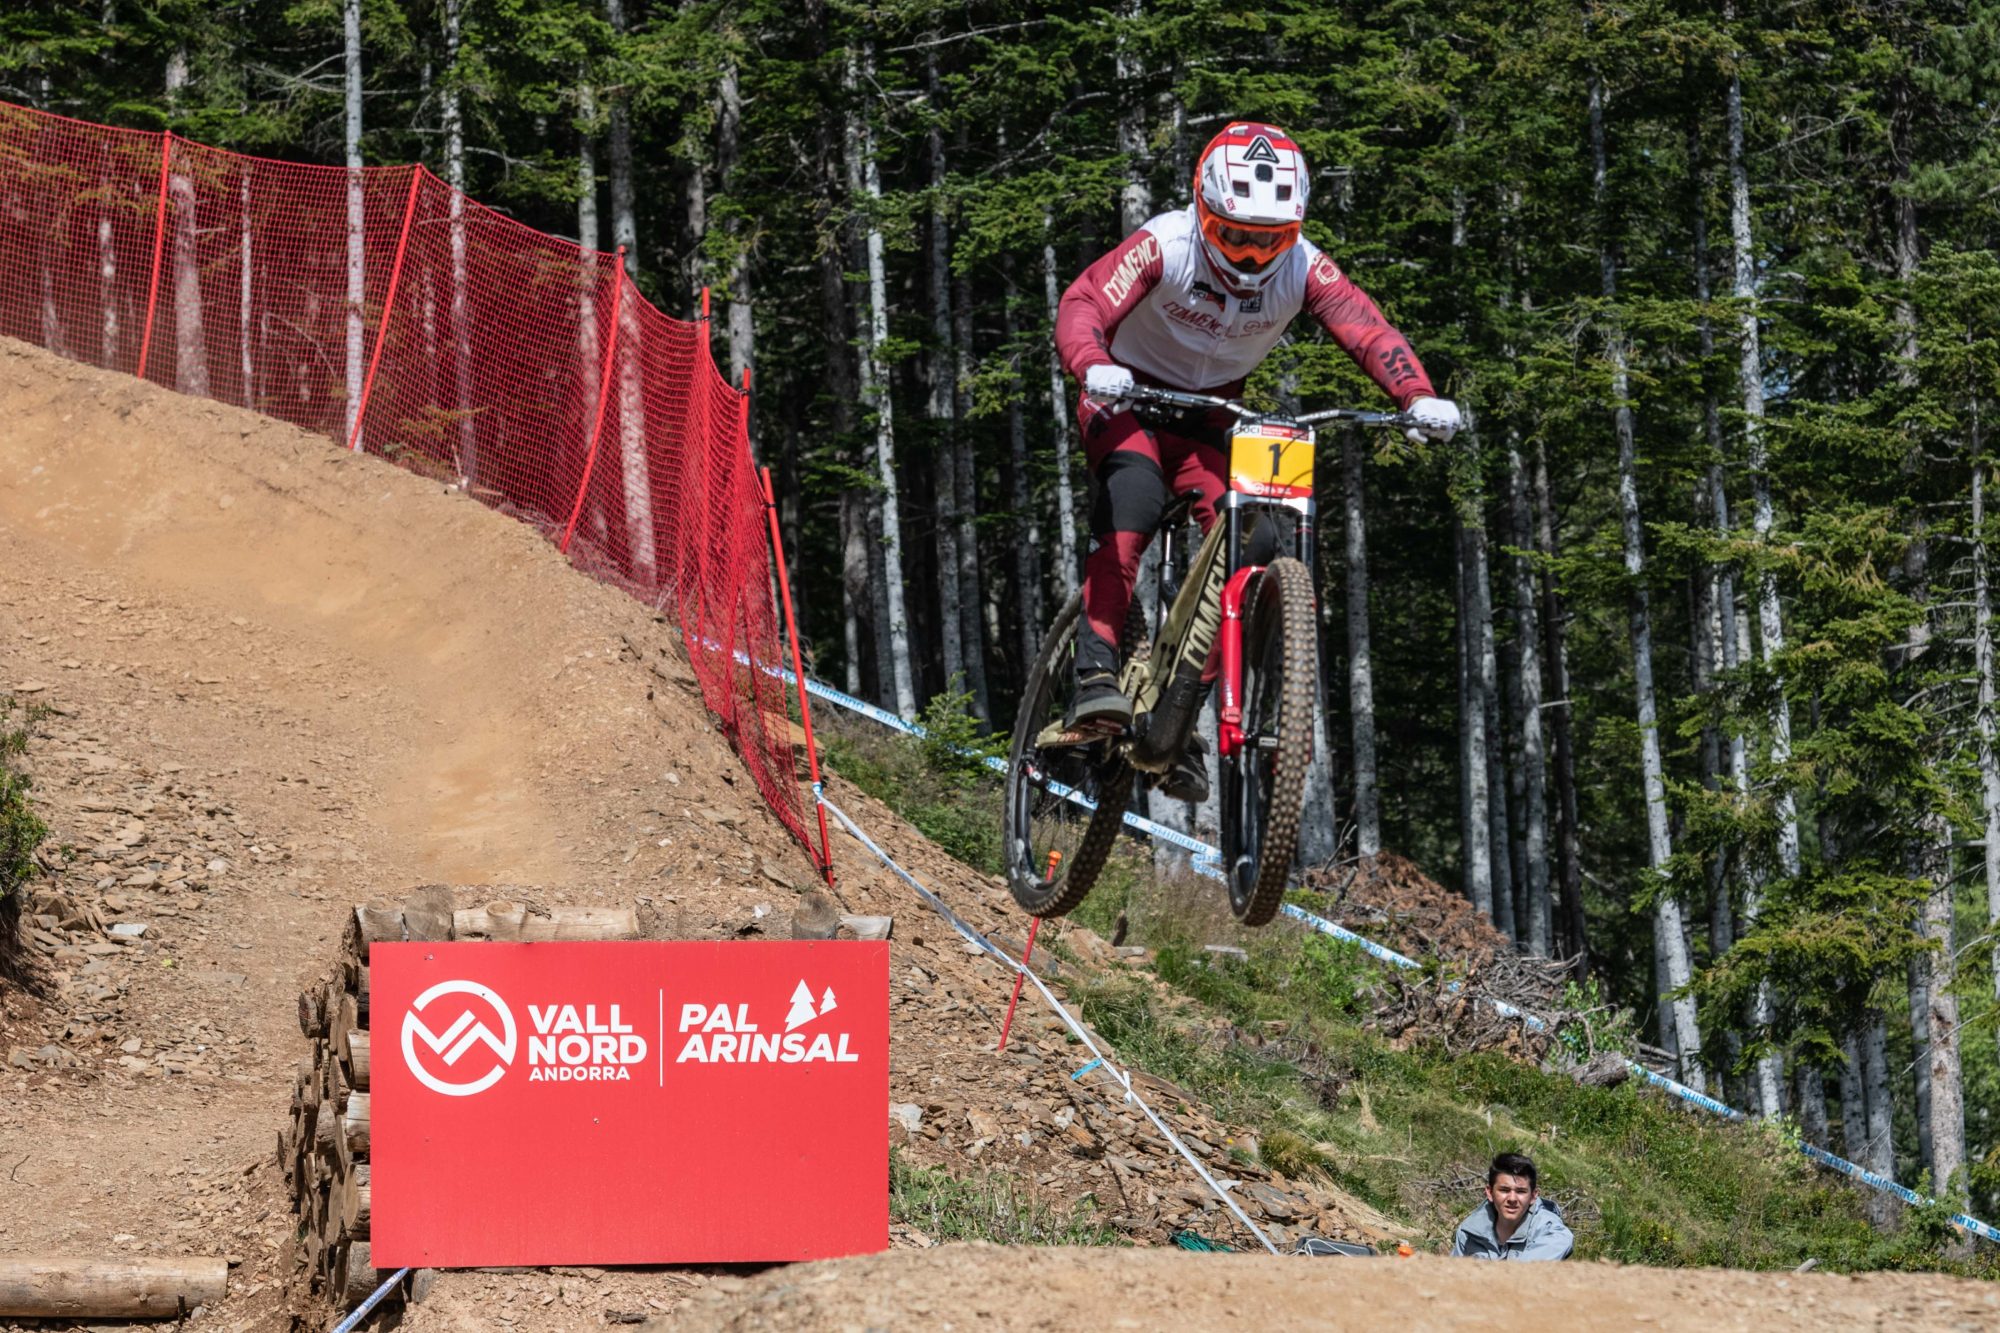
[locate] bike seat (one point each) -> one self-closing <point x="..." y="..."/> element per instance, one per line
<point x="1178" y="508"/>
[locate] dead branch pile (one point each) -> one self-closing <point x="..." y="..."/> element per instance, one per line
<point x="1390" y="900"/>
<point x="1457" y="1011"/>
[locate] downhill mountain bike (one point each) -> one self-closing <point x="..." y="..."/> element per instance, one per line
<point x="1249" y="591"/>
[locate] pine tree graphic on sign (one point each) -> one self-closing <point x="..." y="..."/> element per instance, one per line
<point x="826" y="1003"/>
<point x="802" y="1007"/>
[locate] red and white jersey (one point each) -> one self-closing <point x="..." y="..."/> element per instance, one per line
<point x="1156" y="306"/>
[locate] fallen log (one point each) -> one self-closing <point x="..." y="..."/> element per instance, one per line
<point x="357" y="1058"/>
<point x="354" y="1124"/>
<point x="510" y="921"/>
<point x="108" y="1288"/>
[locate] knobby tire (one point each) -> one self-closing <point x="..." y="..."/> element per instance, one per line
<point x="1048" y="683"/>
<point x="1264" y="789"/>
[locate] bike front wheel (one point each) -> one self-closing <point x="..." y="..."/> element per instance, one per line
<point x="1264" y="782"/>
<point x="1054" y="842"/>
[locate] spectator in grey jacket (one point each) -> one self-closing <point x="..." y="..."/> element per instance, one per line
<point x="1514" y="1223"/>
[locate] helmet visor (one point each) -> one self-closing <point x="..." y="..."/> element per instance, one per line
<point x="1249" y="247"/>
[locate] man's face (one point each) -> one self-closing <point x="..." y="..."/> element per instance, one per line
<point x="1510" y="1196"/>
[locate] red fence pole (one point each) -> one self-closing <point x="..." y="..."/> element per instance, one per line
<point x="603" y="397"/>
<point x="159" y="244"/>
<point x="388" y="305"/>
<point x="798" y="666"/>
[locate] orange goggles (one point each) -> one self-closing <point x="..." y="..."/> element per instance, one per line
<point x="1249" y="246"/>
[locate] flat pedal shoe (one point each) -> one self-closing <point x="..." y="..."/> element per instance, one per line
<point x="1099" y="705"/>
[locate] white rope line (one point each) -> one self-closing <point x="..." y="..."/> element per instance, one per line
<point x="1122" y="1076"/>
<point x="360" y="1312"/>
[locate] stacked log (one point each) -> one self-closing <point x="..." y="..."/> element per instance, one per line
<point x="323" y="1151"/>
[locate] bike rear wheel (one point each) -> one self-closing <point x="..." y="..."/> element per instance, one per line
<point x="1055" y="846"/>
<point x="1264" y="782"/>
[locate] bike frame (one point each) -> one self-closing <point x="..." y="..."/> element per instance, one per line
<point x="1165" y="683"/>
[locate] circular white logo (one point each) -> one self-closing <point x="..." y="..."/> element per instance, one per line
<point x="453" y="1040"/>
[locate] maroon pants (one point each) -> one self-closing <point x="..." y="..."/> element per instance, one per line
<point x="1138" y="470"/>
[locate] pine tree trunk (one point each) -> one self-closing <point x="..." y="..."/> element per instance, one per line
<point x="1982" y="642"/>
<point x="637" y="461"/>
<point x="1319" y="824"/>
<point x="1027" y="529"/>
<point x="245" y="294"/>
<point x="1853" y="1105"/>
<point x="1135" y="199"/>
<point x="1510" y="749"/>
<point x="1208" y="814"/>
<point x="1769" y="616"/>
<point x="452" y="116"/>
<point x="1069" y="554"/>
<point x="1770" y="622"/>
<point x="943" y="402"/>
<point x="624" y="224"/>
<point x="1669" y="940"/>
<point x="855" y="604"/>
<point x="190" y="338"/>
<point x="694" y="188"/>
<point x="1880" y="1156"/>
<point x="728" y="141"/>
<point x="865" y="178"/>
<point x="107" y="289"/>
<point x="1934" y="1005"/>
<point x="1360" y="661"/>
<point x="972" y="600"/>
<point x="1939" y="1073"/>
<point x="1569" y="852"/>
<point x="837" y="331"/>
<point x="1705" y="620"/>
<point x="1476" y="827"/>
<point x="1487" y="677"/>
<point x="1917" y="977"/>
<point x="1537" y="932"/>
<point x="589" y="347"/>
<point x="1809" y="1105"/>
<point x="357" y="220"/>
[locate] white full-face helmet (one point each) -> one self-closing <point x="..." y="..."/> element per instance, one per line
<point x="1250" y="189"/>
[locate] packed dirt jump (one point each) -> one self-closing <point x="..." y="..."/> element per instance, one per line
<point x="284" y="679"/>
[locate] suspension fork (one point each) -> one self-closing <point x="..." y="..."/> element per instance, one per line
<point x="1229" y="726"/>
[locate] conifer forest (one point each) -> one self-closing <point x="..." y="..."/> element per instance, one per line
<point x="1679" y="659"/>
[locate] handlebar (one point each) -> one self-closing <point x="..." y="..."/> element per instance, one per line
<point x="1174" y="398"/>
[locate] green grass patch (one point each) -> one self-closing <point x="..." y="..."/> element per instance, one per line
<point x="20" y="830"/>
<point x="1277" y="1043"/>
<point x="937" y="783"/>
<point x="995" y="1207"/>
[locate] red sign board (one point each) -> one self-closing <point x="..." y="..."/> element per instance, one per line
<point x="628" y="1103"/>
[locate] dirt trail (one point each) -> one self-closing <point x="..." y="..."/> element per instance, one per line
<point x="984" y="1286"/>
<point x="285" y="679"/>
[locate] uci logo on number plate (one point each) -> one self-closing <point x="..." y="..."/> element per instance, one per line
<point x="1272" y="461"/>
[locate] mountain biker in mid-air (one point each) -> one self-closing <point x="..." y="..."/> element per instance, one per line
<point x="1193" y="301"/>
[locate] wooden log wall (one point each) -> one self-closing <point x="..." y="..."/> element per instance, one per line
<point x="323" y="1151"/>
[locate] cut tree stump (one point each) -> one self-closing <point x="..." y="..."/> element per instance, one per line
<point x="323" y="1148"/>
<point x="55" y="1288"/>
<point x="357" y="1058"/>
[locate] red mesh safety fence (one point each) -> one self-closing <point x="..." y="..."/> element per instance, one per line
<point x="396" y="315"/>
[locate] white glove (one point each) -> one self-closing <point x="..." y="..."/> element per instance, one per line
<point x="1109" y="385"/>
<point x="1437" y="419"/>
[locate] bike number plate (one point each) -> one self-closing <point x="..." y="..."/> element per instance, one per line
<point x="1271" y="460"/>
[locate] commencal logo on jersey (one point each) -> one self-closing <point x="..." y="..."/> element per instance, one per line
<point x="1119" y="285"/>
